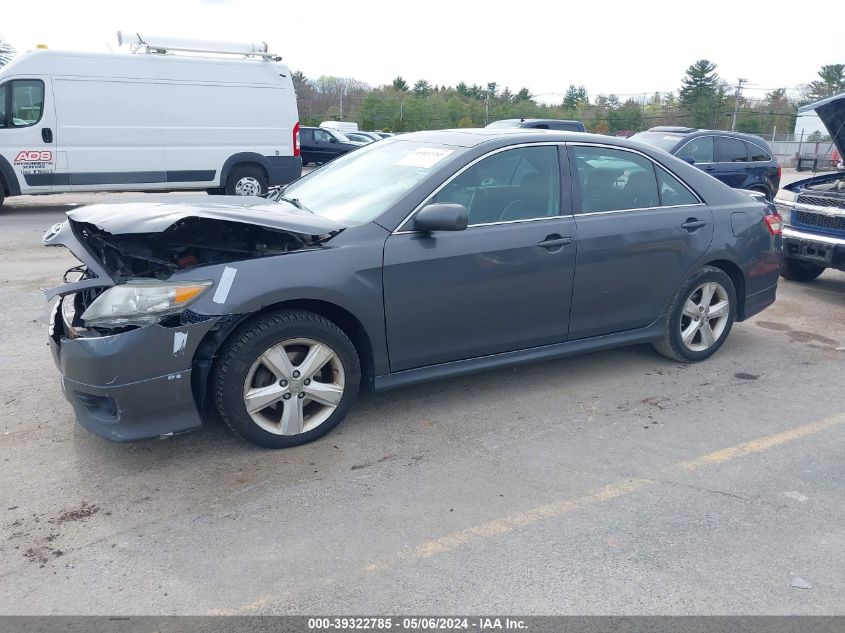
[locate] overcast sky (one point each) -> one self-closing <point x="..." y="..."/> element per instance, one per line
<point x="609" y="47"/>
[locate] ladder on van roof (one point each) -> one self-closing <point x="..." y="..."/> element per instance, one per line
<point x="161" y="45"/>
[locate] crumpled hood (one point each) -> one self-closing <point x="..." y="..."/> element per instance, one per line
<point x="832" y="113"/>
<point x="158" y="214"/>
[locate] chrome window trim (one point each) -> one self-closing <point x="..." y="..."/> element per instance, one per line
<point x="655" y="162"/>
<point x="398" y="230"/>
<point x="668" y="206"/>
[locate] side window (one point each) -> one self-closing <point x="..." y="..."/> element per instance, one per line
<point x="730" y="150"/>
<point x="613" y="180"/>
<point x="672" y="191"/>
<point x="321" y="136"/>
<point x="516" y="184"/>
<point x="757" y="153"/>
<point x="306" y="137"/>
<point x="27" y="102"/>
<point x="3" y="105"/>
<point x="699" y="149"/>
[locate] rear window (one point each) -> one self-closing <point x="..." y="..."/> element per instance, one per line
<point x="664" y="140"/>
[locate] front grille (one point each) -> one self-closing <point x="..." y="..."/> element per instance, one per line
<point x="829" y="222"/>
<point x="817" y="201"/>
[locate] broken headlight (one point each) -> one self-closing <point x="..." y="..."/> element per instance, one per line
<point x="141" y="302"/>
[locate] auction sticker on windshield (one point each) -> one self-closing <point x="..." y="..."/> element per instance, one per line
<point x="424" y="157"/>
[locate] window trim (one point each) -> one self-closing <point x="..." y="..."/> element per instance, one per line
<point x="10" y="90"/>
<point x="562" y="157"/>
<point x="576" y="182"/>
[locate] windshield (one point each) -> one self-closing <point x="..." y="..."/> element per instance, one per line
<point x="340" y="136"/>
<point x="361" y="185"/>
<point x="664" y="140"/>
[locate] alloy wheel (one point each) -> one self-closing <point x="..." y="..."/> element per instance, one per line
<point x="704" y="316"/>
<point x="294" y="386"/>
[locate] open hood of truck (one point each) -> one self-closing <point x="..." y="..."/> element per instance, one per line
<point x="832" y="113"/>
<point x="162" y="212"/>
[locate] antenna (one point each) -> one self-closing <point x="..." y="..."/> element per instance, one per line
<point x="156" y="44"/>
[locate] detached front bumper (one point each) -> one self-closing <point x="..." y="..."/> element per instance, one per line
<point x="814" y="248"/>
<point x="132" y="385"/>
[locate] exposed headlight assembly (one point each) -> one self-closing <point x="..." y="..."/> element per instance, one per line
<point x="142" y="302"/>
<point x="784" y="202"/>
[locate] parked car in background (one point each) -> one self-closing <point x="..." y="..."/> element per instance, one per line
<point x="360" y="137"/>
<point x="340" y="126"/>
<point x="426" y="256"/>
<point x="541" y="124"/>
<point x="384" y="134"/>
<point x="74" y="121"/>
<point x="814" y="209"/>
<point x="741" y="161"/>
<point x="320" y="145"/>
<point x="371" y="135"/>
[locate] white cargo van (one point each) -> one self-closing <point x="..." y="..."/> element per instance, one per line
<point x="148" y="121"/>
<point x="340" y="126"/>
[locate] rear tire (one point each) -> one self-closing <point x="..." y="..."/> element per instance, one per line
<point x="247" y="180"/>
<point x="701" y="315"/>
<point x="2" y="194"/>
<point x="796" y="270"/>
<point x="298" y="371"/>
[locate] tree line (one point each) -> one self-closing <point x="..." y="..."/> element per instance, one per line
<point x="703" y="100"/>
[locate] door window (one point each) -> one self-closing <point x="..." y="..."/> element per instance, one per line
<point x="699" y="149"/>
<point x="614" y="180"/>
<point x="757" y="153"/>
<point x="3" y="105"/>
<point x="730" y="150"/>
<point x="672" y="191"/>
<point x="321" y="136"/>
<point x="27" y="102"/>
<point x="517" y="184"/>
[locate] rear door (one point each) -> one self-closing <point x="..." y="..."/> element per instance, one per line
<point x="732" y="165"/>
<point x="28" y="132"/>
<point x="640" y="231"/>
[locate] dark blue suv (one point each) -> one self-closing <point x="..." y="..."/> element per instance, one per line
<point x="741" y="161"/>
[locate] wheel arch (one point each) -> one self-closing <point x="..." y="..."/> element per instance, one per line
<point x="207" y="352"/>
<point x="242" y="159"/>
<point x="732" y="270"/>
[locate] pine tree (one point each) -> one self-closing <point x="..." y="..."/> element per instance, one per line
<point x="832" y="83"/>
<point x="702" y="93"/>
<point x="400" y="84"/>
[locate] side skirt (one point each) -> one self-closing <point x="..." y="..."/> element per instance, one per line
<point x="520" y="357"/>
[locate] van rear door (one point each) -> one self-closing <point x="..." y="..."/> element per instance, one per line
<point x="28" y="133"/>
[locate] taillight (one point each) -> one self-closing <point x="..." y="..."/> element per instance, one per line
<point x="780" y="171"/>
<point x="296" y="151"/>
<point x="774" y="223"/>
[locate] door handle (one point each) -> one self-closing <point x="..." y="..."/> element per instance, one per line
<point x="555" y="241"/>
<point x="47" y="135"/>
<point x="693" y="224"/>
<point x="708" y="168"/>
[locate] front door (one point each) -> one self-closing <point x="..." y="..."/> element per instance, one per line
<point x="640" y="231"/>
<point x="503" y="284"/>
<point x="28" y="133"/>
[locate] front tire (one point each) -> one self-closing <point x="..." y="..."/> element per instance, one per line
<point x="286" y="378"/>
<point x="796" y="270"/>
<point x="247" y="180"/>
<point x="701" y="315"/>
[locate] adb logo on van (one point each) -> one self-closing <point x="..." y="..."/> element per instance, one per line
<point x="33" y="156"/>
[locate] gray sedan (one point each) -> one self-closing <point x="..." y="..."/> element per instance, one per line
<point x="420" y="257"/>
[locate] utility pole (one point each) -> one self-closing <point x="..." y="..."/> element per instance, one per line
<point x="737" y="96"/>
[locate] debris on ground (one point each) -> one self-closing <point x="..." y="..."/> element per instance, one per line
<point x="800" y="583"/>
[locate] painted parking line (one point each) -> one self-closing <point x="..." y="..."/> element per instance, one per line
<point x="497" y="527"/>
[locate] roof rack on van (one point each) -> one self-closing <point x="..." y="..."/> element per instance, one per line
<point x="156" y="44"/>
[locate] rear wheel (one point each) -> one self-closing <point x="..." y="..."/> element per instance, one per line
<point x="700" y="317"/>
<point x="2" y="194"/>
<point x="247" y="180"/>
<point x="286" y="379"/>
<point x="796" y="270"/>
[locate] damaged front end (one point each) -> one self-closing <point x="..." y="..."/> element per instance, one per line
<point x="133" y="357"/>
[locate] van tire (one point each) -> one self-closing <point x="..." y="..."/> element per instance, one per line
<point x="247" y="180"/>
<point x="2" y="194"/>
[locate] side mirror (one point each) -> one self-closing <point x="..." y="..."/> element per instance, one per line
<point x="688" y="159"/>
<point x="332" y="139"/>
<point x="442" y="217"/>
